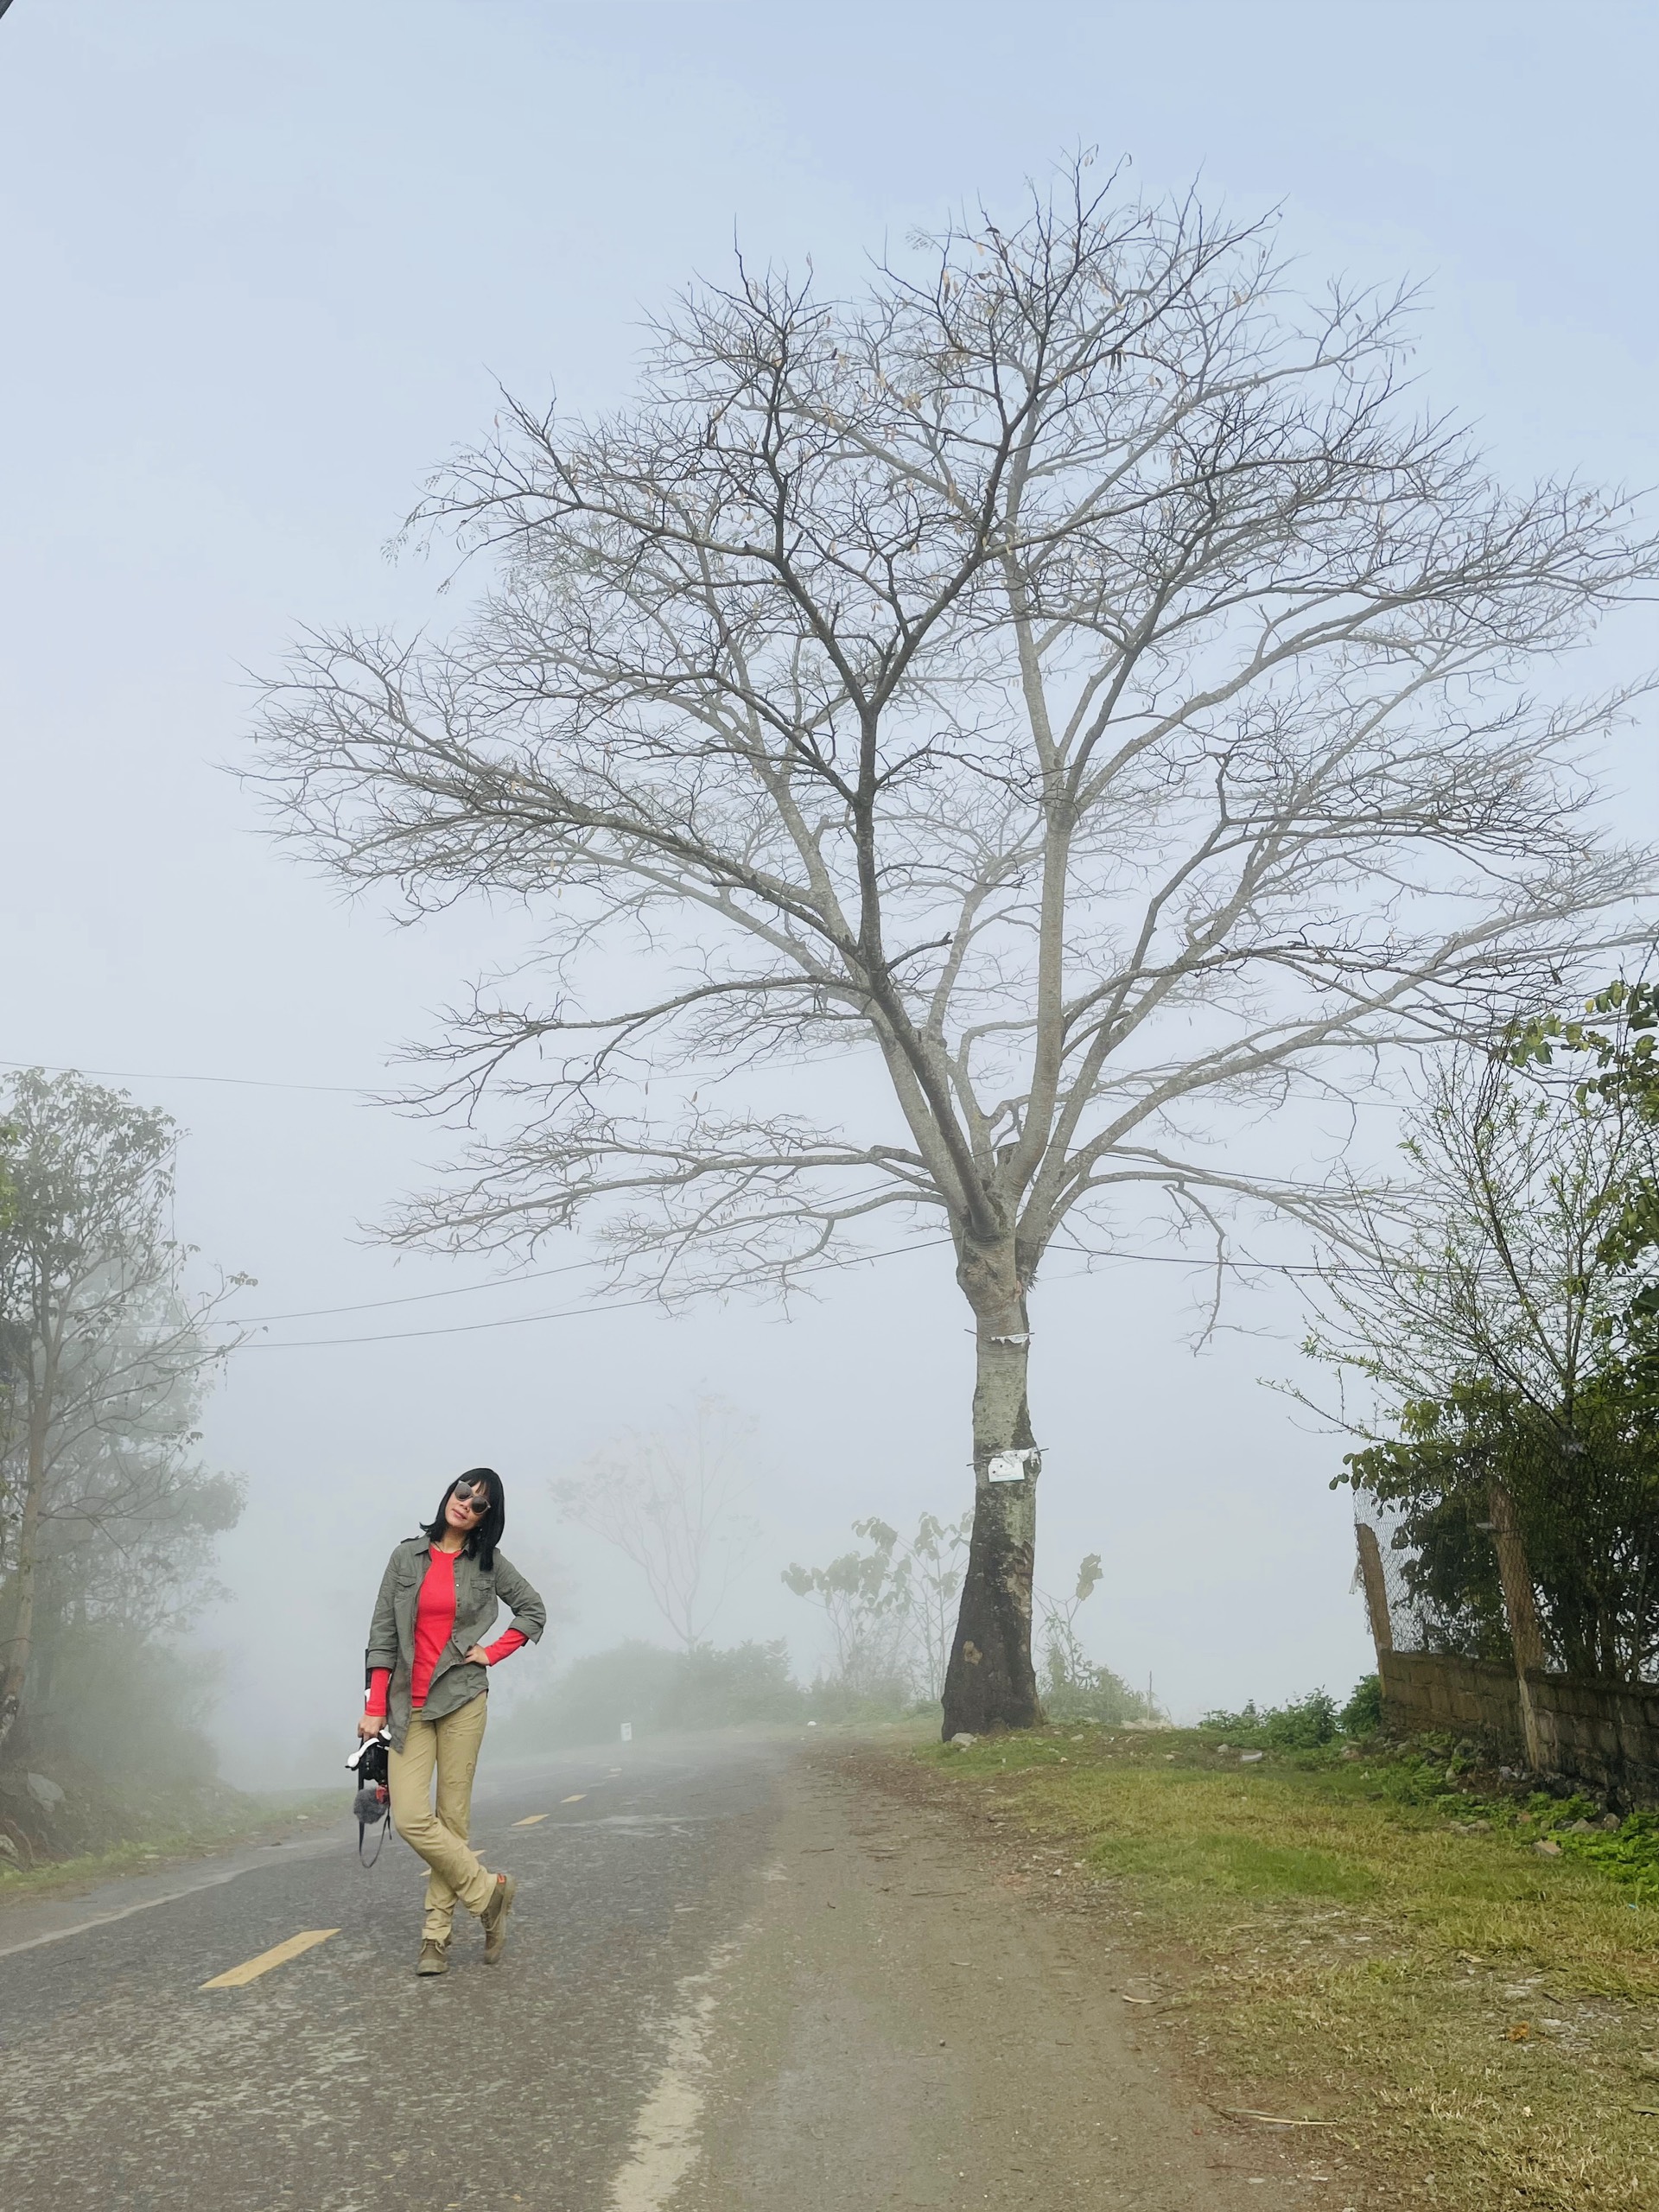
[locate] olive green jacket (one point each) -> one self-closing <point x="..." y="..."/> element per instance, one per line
<point x="480" y="1593"/>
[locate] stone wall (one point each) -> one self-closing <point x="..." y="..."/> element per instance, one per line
<point x="1425" y="1690"/>
<point x="1604" y="1734"/>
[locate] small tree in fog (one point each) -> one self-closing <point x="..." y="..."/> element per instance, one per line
<point x="104" y="1509"/>
<point x="672" y="1501"/>
<point x="957" y="745"/>
<point x="1065" y="1660"/>
<point x="865" y="1601"/>
<point x="892" y="1609"/>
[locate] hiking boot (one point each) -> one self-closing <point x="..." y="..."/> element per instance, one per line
<point x="434" y="1959"/>
<point x="494" y="1918"/>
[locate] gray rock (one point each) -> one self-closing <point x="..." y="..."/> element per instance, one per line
<point x="9" y="1851"/>
<point x="1249" y="1758"/>
<point x="962" y="1739"/>
<point x="45" y="1793"/>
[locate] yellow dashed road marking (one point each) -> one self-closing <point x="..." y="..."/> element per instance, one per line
<point x="530" y="1820"/>
<point x="576" y="1799"/>
<point x="278" y="1955"/>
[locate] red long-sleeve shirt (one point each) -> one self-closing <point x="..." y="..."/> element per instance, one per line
<point x="435" y="1624"/>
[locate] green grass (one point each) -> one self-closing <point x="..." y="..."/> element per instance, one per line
<point x="1238" y="1866"/>
<point x="251" y="1820"/>
<point x="1336" y="1945"/>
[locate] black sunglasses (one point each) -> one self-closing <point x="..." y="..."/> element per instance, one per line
<point x="475" y="1496"/>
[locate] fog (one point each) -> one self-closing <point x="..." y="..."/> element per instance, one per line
<point x="262" y="270"/>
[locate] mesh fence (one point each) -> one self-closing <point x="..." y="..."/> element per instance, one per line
<point x="1557" y="1553"/>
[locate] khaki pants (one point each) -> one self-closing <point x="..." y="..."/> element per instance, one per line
<point x="451" y="1745"/>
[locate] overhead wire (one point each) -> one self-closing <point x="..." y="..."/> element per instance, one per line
<point x="236" y="1082"/>
<point x="557" y="1313"/>
<point x="413" y="1297"/>
<point x="625" y="1305"/>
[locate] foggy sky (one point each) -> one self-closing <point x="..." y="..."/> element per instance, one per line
<point x="261" y="269"/>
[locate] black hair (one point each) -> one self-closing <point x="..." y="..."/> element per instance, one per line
<point x="484" y="1536"/>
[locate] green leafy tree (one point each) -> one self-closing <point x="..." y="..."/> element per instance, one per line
<point x="1494" y="1306"/>
<point x="104" y="1509"/>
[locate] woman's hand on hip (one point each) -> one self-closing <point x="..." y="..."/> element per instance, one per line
<point x="478" y="1656"/>
<point x="370" y="1724"/>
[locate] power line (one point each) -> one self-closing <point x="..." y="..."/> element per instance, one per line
<point x="410" y="1298"/>
<point x="556" y="1314"/>
<point x="457" y="1329"/>
<point x="626" y="1305"/>
<point x="236" y="1082"/>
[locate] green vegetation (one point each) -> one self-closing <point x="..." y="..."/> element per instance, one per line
<point x="96" y="1833"/>
<point x="108" y="1515"/>
<point x="1362" y="1715"/>
<point x="1504" y="1326"/>
<point x="1466" y="1979"/>
<point x="1306" y="1724"/>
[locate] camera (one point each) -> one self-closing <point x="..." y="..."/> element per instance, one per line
<point x="368" y="1761"/>
<point x="373" y="1802"/>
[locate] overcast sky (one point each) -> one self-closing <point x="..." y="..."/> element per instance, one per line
<point x="262" y="269"/>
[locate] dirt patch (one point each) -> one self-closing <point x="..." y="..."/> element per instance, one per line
<point x="921" y="2016"/>
<point x="1331" y="1943"/>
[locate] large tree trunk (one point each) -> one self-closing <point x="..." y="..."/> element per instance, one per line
<point x="991" y="1682"/>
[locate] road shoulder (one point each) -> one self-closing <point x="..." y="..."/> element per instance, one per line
<point x="903" y="2024"/>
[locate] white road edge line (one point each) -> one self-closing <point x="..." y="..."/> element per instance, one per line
<point x="309" y="1847"/>
<point x="666" y="2138"/>
<point x="122" y="1912"/>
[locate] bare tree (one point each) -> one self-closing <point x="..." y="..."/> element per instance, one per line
<point x="103" y="1361"/>
<point x="1490" y="1259"/>
<point x="1058" y="696"/>
<point x="672" y="1501"/>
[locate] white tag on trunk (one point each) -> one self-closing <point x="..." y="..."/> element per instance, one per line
<point x="1006" y="1467"/>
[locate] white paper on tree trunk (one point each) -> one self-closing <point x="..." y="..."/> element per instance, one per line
<point x="1006" y="1467"/>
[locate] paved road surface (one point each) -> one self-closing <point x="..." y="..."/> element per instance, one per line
<point x="338" y="2080"/>
<point x="740" y="1980"/>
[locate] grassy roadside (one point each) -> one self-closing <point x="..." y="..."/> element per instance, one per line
<point x="1360" y="1940"/>
<point x="195" y="1830"/>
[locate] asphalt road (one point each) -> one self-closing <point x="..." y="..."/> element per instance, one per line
<point x="742" y="1977"/>
<point x="337" y="2081"/>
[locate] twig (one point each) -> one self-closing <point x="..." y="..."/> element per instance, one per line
<point x="1276" y="2120"/>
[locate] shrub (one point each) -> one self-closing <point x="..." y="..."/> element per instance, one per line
<point x="723" y="1689"/>
<point x="656" y="1690"/>
<point x="1305" y="1724"/>
<point x="1362" y="1715"/>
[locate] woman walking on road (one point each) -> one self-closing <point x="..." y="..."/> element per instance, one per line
<point x="429" y="1679"/>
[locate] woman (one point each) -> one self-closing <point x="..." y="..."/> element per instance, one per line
<point x="429" y="1674"/>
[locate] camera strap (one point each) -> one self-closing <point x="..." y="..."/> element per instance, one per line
<point x="373" y="1803"/>
<point x="380" y="1840"/>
